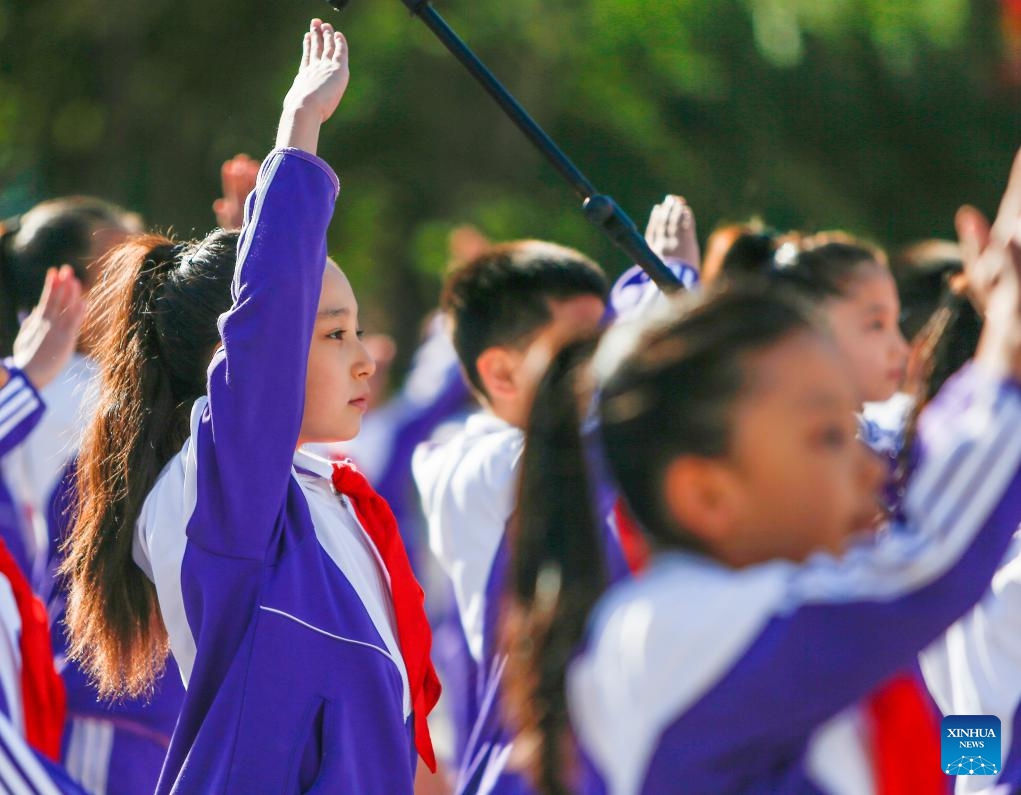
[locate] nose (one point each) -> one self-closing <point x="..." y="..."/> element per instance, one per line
<point x="365" y="365"/>
<point x="901" y="345"/>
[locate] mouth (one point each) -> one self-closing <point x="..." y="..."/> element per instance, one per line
<point x="359" y="403"/>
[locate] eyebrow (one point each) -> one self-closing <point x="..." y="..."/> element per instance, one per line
<point x="336" y="312"/>
<point x="821" y="400"/>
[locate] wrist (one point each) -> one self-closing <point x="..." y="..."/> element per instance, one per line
<point x="38" y="377"/>
<point x="299" y="127"/>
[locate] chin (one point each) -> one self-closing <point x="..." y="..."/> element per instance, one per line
<point x="347" y="432"/>
<point x="342" y="432"/>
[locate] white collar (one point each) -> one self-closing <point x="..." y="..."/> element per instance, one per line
<point x="306" y="463"/>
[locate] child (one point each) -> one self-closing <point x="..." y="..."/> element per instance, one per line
<point x="110" y="748"/>
<point x="974" y="668"/>
<point x="277" y="579"/>
<point x="730" y="666"/>
<point x="76" y="231"/>
<point x="31" y="693"/>
<point x="506" y="308"/>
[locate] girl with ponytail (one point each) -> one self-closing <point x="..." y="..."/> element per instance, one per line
<point x="731" y="664"/>
<point x="115" y="742"/>
<point x="277" y="579"/>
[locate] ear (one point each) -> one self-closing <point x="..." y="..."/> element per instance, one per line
<point x="498" y="370"/>
<point x="702" y="496"/>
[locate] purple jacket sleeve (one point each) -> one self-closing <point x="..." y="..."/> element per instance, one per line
<point x="20" y="409"/>
<point x="846" y="625"/>
<point x="249" y="429"/>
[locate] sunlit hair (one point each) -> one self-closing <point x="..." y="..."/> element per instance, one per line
<point x="155" y="313"/>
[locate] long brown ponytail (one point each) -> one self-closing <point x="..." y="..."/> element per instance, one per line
<point x="154" y="314"/>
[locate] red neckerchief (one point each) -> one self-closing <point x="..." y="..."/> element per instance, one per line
<point x="413" y="632"/>
<point x="633" y="543"/>
<point x="42" y="689"/>
<point x="904" y="735"/>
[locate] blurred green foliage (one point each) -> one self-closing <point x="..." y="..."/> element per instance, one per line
<point x="878" y="116"/>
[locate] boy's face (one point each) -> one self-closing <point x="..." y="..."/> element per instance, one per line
<point x="512" y="382"/>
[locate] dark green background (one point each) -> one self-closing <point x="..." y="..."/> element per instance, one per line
<point x="878" y="116"/>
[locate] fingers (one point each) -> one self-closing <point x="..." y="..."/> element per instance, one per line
<point x="316" y="35"/>
<point x="240" y="176"/>
<point x="306" y="49"/>
<point x="329" y="41"/>
<point x="972" y="233"/>
<point x="654" y="229"/>
<point x="64" y="296"/>
<point x="1005" y="225"/>
<point x="74" y="315"/>
<point x="675" y="211"/>
<point x="47" y="294"/>
<point x="340" y="43"/>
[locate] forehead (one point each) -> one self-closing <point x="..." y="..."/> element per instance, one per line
<point x="336" y="292"/>
<point x="800" y="375"/>
<point x="584" y="311"/>
<point x="873" y="286"/>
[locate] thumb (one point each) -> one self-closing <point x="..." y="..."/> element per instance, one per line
<point x="972" y="233"/>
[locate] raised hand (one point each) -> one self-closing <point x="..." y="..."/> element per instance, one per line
<point x="317" y="88"/>
<point x="671" y="231"/>
<point x="992" y="261"/>
<point x="49" y="334"/>
<point x="237" y="176"/>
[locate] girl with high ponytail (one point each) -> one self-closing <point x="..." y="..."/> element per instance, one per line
<point x="277" y="579"/>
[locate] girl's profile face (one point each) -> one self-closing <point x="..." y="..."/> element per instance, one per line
<point x="796" y="480"/>
<point x="865" y="324"/>
<point x="339" y="366"/>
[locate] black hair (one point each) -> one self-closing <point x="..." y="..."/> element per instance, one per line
<point x="502" y="296"/>
<point x="666" y="388"/>
<point x="54" y="233"/>
<point x="940" y="321"/>
<point x="817" y="267"/>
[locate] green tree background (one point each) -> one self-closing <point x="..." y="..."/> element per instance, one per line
<point x="877" y="116"/>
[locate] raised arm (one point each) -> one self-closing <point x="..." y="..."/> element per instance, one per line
<point x="244" y="438"/>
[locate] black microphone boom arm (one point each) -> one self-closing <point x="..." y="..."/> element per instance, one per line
<point x="600" y="209"/>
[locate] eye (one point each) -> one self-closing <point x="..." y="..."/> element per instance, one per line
<point x="833" y="436"/>
<point x="338" y="334"/>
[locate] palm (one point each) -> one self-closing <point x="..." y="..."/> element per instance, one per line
<point x="324" y="74"/>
